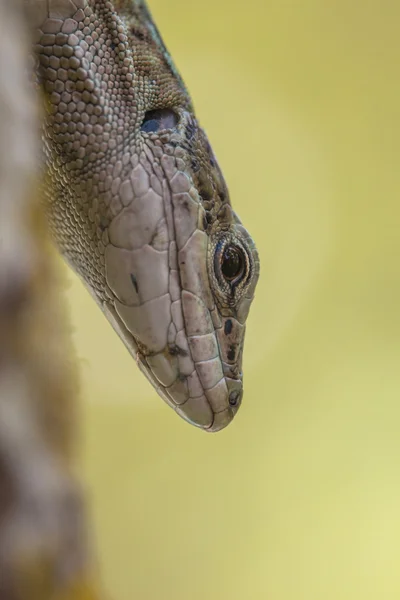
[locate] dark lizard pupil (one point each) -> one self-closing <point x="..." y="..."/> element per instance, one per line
<point x="232" y="263"/>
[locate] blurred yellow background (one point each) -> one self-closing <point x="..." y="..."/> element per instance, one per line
<point x="299" y="498"/>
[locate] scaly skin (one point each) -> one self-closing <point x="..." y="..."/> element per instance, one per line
<point x="138" y="205"/>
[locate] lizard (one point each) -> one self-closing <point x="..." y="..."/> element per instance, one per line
<point x="138" y="205"/>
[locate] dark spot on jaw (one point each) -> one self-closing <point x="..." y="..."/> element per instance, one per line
<point x="176" y="350"/>
<point x="231" y="353"/>
<point x="228" y="327"/>
<point x="205" y="222"/>
<point x="135" y="283"/>
<point x="234" y="397"/>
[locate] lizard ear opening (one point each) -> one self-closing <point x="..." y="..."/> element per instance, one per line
<point x="158" y="120"/>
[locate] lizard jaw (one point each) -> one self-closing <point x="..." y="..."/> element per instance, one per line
<point x="209" y="409"/>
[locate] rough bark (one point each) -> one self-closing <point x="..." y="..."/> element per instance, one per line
<point x="43" y="538"/>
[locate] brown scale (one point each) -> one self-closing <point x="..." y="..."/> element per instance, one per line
<point x="208" y="179"/>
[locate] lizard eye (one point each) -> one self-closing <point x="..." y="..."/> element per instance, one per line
<point x="157" y="120"/>
<point x="230" y="262"/>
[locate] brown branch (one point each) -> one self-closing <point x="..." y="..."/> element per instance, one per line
<point x="43" y="539"/>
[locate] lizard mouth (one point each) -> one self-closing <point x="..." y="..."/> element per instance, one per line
<point x="211" y="411"/>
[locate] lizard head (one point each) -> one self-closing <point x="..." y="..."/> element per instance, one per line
<point x="193" y="275"/>
<point x="139" y="207"/>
